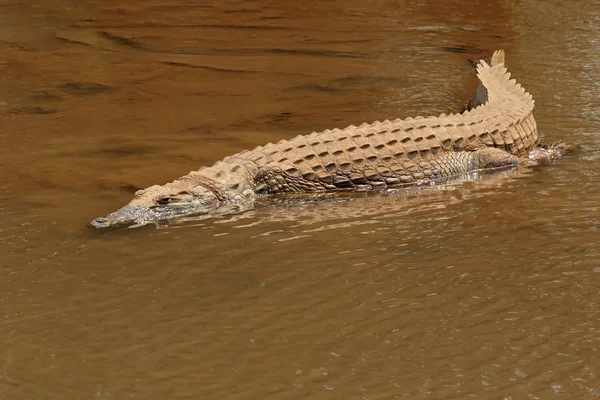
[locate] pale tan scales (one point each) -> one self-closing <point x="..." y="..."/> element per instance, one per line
<point x="370" y="156"/>
<point x="389" y="148"/>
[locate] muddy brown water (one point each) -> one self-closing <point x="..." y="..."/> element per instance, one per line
<point x="486" y="289"/>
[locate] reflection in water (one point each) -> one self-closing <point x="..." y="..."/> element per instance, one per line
<point x="345" y="209"/>
<point x="483" y="289"/>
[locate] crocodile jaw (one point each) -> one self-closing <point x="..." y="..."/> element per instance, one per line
<point x="136" y="216"/>
<point x="127" y="215"/>
<point x="159" y="203"/>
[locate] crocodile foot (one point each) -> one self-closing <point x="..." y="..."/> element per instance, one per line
<point x="547" y="152"/>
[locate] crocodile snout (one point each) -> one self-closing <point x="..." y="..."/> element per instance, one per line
<point x="126" y="215"/>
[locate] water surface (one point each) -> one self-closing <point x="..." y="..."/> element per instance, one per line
<point x="485" y="289"/>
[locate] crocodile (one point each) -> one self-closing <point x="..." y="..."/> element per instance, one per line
<point x="496" y="131"/>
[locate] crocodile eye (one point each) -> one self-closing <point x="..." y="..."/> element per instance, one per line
<point x="175" y="198"/>
<point x="163" y="200"/>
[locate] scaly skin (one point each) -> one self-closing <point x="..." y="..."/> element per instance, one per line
<point x="497" y="130"/>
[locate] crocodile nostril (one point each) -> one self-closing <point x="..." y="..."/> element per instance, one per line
<point x="100" y="222"/>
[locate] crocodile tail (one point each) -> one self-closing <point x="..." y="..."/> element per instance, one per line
<point x="497" y="87"/>
<point x="497" y="58"/>
<point x="499" y="92"/>
<point x="481" y="95"/>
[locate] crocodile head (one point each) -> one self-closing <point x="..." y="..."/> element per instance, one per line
<point x="158" y="203"/>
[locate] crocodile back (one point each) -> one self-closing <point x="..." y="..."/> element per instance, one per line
<point x="401" y="148"/>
